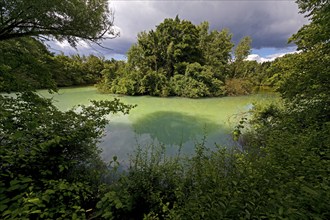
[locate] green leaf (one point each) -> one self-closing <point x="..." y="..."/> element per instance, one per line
<point x="34" y="201"/>
<point x="280" y="211"/>
<point x="3" y="207"/>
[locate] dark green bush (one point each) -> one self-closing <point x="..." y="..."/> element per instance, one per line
<point x="50" y="165"/>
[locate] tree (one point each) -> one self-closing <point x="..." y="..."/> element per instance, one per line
<point x="176" y="47"/>
<point x="216" y="47"/>
<point x="317" y="32"/>
<point x="281" y="68"/>
<point x="148" y="57"/>
<point x="241" y="52"/>
<point x="173" y="42"/>
<point x="312" y="71"/>
<point x="311" y="78"/>
<point x="69" y="20"/>
<point x="243" y="49"/>
<point x="25" y="64"/>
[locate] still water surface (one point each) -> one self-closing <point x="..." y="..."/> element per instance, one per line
<point x="172" y="121"/>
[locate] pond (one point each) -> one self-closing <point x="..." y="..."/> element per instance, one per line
<point x="174" y="122"/>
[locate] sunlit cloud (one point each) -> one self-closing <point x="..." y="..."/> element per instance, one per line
<point x="268" y="58"/>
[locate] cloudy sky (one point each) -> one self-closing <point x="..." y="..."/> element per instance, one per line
<point x="269" y="22"/>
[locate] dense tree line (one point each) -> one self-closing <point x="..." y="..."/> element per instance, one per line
<point x="26" y="62"/>
<point x="191" y="61"/>
<point x="78" y="70"/>
<point x="50" y="166"/>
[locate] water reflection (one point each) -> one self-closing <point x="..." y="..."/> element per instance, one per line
<point x="174" y="128"/>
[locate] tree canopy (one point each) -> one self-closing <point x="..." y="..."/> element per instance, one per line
<point x="69" y="20"/>
<point x="177" y="58"/>
<point x="25" y="64"/>
<point x="243" y="49"/>
<point x="311" y="80"/>
<point x="317" y="32"/>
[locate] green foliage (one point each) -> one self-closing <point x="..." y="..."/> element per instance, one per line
<point x="188" y="87"/>
<point x="25" y="64"/>
<point x="219" y="185"/>
<point x="262" y="74"/>
<point x="127" y="84"/>
<point x="316" y="33"/>
<point x="177" y="58"/>
<point x="198" y="81"/>
<point x="50" y="163"/>
<point x="112" y="70"/>
<point x="238" y="129"/>
<point x="308" y="77"/>
<point x="293" y="141"/>
<point x="174" y="41"/>
<point x="294" y="138"/>
<point x="283" y="172"/>
<point x="241" y="52"/>
<point x="148" y="187"/>
<point x="238" y="86"/>
<point x="155" y="84"/>
<point x="216" y="47"/>
<point x="178" y="42"/>
<point x="78" y="70"/>
<point x="243" y="49"/>
<point x="281" y="181"/>
<point x="69" y="20"/>
<point x="55" y="199"/>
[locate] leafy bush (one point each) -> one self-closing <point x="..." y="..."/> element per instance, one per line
<point x="293" y="142"/>
<point x="149" y="185"/>
<point x="188" y="87"/>
<point x="49" y="161"/>
<point x="237" y="86"/>
<point x="154" y="84"/>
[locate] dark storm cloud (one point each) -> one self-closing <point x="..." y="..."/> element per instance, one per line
<point x="269" y="23"/>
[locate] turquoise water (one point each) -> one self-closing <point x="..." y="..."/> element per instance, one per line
<point x="171" y="121"/>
